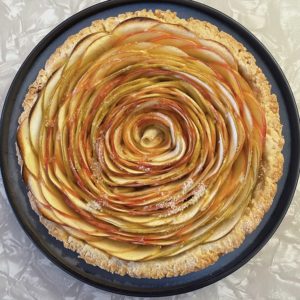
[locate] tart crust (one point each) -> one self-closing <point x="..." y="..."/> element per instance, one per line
<point x="201" y="256"/>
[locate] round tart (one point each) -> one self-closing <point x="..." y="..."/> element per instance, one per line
<point x="150" y="144"/>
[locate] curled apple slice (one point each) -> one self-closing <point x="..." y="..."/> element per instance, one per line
<point x="133" y="26"/>
<point x="221" y="50"/>
<point x="176" y="30"/>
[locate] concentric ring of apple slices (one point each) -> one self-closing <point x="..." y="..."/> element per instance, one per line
<point x="145" y="143"/>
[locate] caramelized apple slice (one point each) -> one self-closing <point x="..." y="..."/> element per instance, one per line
<point x="46" y="212"/>
<point x="204" y="55"/>
<point x="256" y="112"/>
<point x="229" y="78"/>
<point x="168" y="50"/>
<point x="176" y="30"/>
<point x="79" y="234"/>
<point x="55" y="200"/>
<point x="144" y="36"/>
<point x="81" y="48"/>
<point x="35" y="123"/>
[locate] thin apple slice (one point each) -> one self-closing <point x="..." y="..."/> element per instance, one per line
<point x="62" y="178"/>
<point x="35" y="189"/>
<point x="139" y="219"/>
<point x="110" y="246"/>
<point x="55" y="200"/>
<point x="59" y="209"/>
<point x="134" y="228"/>
<point x="35" y="123"/>
<point x="145" y="36"/>
<point x="50" y="88"/>
<point x="174" y="41"/>
<point x="81" y="48"/>
<point x="66" y="215"/>
<point x="78" y="224"/>
<point x="27" y="153"/>
<point x="46" y="212"/>
<point x="176" y="30"/>
<point x="138" y="253"/>
<point x="186" y="246"/>
<point x="168" y="50"/>
<point x="96" y="49"/>
<point x="80" y="234"/>
<point x="229" y="77"/>
<point x="134" y="25"/>
<point x="256" y="112"/>
<point x="204" y="55"/>
<point x="225" y="227"/>
<point x="187" y="214"/>
<point x="221" y="50"/>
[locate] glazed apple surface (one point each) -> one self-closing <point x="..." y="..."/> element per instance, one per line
<point x="146" y="143"/>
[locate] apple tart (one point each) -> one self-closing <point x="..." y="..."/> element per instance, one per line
<point x="150" y="144"/>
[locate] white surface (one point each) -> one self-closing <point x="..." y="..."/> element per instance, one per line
<point x="25" y="273"/>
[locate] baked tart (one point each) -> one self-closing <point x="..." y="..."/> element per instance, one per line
<point x="150" y="144"/>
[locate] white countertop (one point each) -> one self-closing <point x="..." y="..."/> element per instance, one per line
<point x="25" y="273"/>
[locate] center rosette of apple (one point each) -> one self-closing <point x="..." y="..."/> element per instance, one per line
<point x="148" y="138"/>
<point x="152" y="137"/>
<point x="145" y="142"/>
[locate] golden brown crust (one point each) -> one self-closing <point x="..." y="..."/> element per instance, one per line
<point x="272" y="164"/>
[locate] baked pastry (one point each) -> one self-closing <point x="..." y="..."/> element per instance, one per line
<point x="150" y="144"/>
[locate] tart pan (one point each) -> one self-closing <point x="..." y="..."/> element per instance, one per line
<point x="68" y="260"/>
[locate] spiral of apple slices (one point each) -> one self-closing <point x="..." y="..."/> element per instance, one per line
<point x="146" y="143"/>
